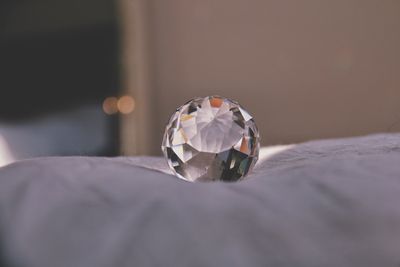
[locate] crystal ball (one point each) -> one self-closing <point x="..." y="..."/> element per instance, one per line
<point x="211" y="139"/>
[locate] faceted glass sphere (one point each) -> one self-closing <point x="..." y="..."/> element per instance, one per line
<point x="211" y="138"/>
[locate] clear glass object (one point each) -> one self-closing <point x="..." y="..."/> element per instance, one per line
<point x="211" y="139"/>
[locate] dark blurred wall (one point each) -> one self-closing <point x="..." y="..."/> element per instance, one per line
<point x="56" y="55"/>
<point x="59" y="59"/>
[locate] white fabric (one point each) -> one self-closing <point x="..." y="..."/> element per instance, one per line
<point x="321" y="203"/>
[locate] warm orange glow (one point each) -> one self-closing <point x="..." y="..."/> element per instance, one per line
<point x="215" y="102"/>
<point x="110" y="105"/>
<point x="126" y="104"/>
<point x="244" y="146"/>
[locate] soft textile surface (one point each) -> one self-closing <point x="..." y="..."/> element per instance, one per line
<point x="321" y="203"/>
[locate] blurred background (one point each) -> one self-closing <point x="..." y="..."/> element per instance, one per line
<point x="102" y="77"/>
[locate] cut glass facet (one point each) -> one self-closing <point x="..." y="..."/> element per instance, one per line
<point x="211" y="138"/>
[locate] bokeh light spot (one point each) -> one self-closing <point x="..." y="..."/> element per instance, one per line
<point x="126" y="104"/>
<point x="110" y="105"/>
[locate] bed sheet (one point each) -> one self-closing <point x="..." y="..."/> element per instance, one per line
<point x="320" y="203"/>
